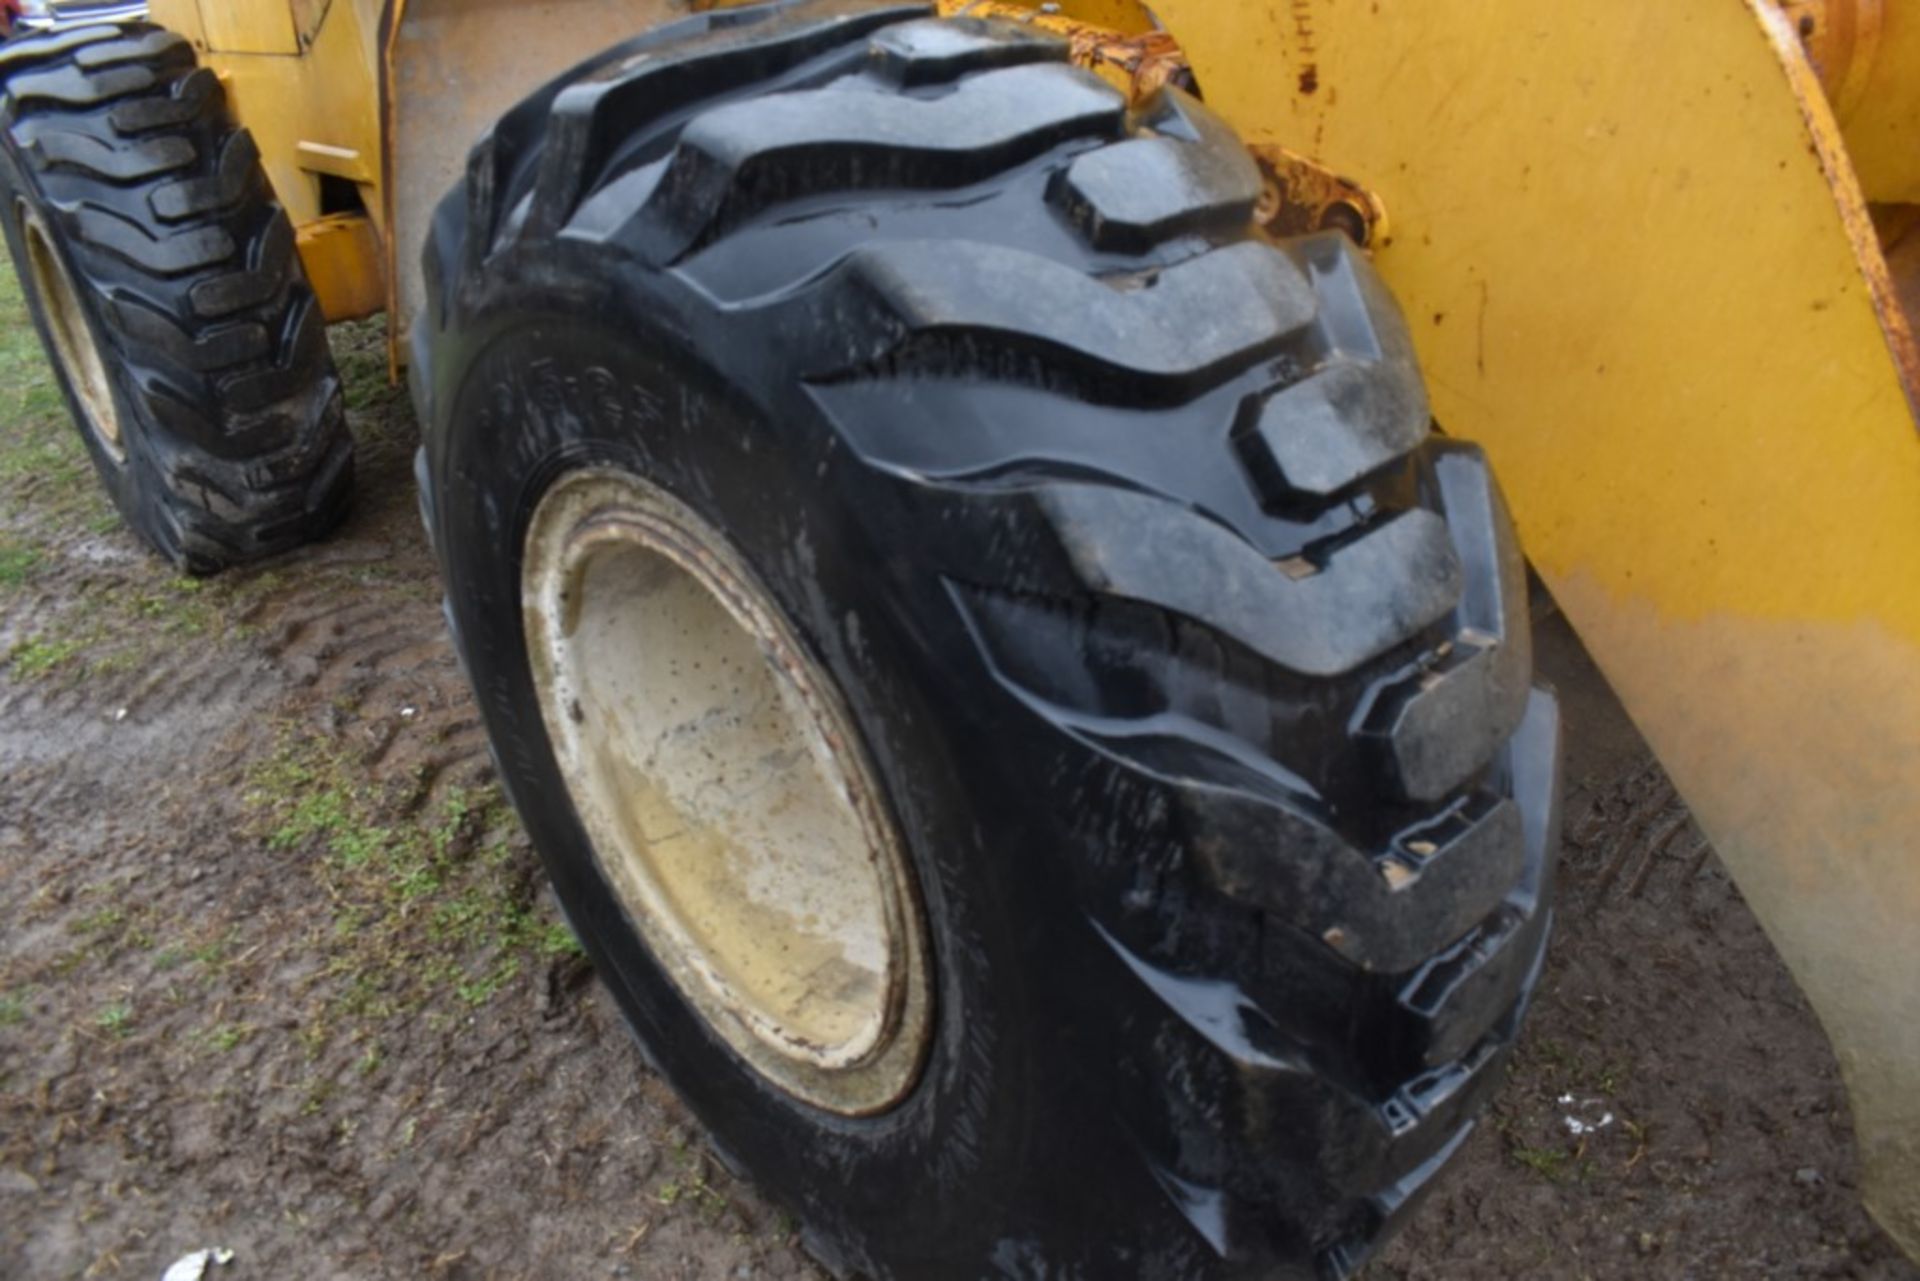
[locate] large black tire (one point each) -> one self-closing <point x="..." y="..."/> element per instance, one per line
<point x="1196" y="673"/>
<point x="232" y="440"/>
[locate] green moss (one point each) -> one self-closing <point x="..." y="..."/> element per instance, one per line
<point x="39" y="655"/>
<point x="106" y="920"/>
<point x="228" y="1035"/>
<point x="116" y="1019"/>
<point x="18" y="561"/>
<point x="1551" y="1164"/>
<point x="423" y="906"/>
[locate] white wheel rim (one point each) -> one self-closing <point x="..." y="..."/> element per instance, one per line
<point x="73" y="345"/>
<point x="728" y="800"/>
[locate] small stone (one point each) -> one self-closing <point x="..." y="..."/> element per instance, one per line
<point x="1808" y="1177"/>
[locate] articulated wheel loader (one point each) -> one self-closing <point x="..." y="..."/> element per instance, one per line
<point x="1000" y="626"/>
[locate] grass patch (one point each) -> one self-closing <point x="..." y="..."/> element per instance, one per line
<point x="228" y="1035"/>
<point x="116" y="1019"/>
<point x="211" y="955"/>
<point x="1552" y="1164"/>
<point x="183" y="607"/>
<point x="103" y="921"/>
<point x="13" y="1010"/>
<point x="425" y="909"/>
<point x="382" y="410"/>
<point x="18" y="562"/>
<point x="38" y="655"/>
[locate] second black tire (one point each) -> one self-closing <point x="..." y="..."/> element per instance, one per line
<point x="1196" y="673"/>
<point x="163" y="277"/>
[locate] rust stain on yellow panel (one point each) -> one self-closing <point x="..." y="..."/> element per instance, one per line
<point x="1868" y="55"/>
<point x="1639" y="269"/>
<point x="1115" y="39"/>
<point x="1300" y="197"/>
<point x="346" y="264"/>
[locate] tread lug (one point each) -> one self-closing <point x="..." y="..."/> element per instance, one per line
<point x="1394" y="581"/>
<point x="936" y="51"/>
<point x="116" y="164"/>
<point x="29" y="50"/>
<point x="233" y="178"/>
<point x="71" y="87"/>
<point x="1192" y="177"/>
<point x="621" y="98"/>
<point x="739" y="158"/>
<point x="165" y="254"/>
<point x="1206" y="316"/>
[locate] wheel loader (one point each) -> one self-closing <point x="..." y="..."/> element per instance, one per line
<point x="972" y="530"/>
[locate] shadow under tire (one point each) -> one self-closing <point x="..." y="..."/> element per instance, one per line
<point x="163" y="279"/>
<point x="1191" y="670"/>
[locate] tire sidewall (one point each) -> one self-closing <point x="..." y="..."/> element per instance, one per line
<point x="552" y="395"/>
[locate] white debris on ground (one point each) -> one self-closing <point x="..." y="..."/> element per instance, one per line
<point x="1579" y="1126"/>
<point x="193" y="1267"/>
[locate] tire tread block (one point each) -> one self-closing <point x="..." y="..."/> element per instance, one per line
<point x="618" y="100"/>
<point x="1198" y="320"/>
<point x="220" y="347"/>
<point x="264" y="277"/>
<point x="122" y="163"/>
<point x="158" y="253"/>
<point x="1190" y="175"/>
<point x="1371" y="593"/>
<point x="1445" y="721"/>
<point x="192" y="97"/>
<point x="235" y="176"/>
<point x="740" y="158"/>
<point x="69" y="86"/>
<point x="152" y="48"/>
<point x="29" y="50"/>
<point x="937" y="51"/>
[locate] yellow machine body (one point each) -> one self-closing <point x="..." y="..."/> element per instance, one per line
<point x="1660" y="259"/>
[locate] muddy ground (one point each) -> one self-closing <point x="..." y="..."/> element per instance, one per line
<point x="278" y="972"/>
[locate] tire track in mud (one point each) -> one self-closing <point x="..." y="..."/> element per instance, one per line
<point x="1637" y="836"/>
<point x="208" y="670"/>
